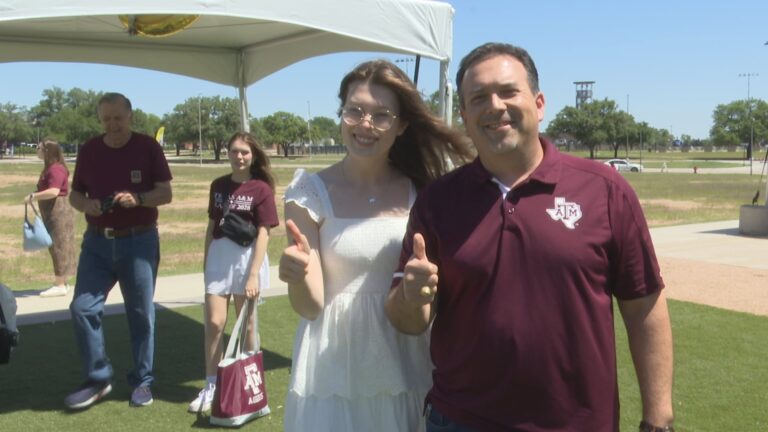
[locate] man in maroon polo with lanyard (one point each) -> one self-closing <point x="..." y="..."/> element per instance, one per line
<point x="517" y="257"/>
<point x="120" y="179"/>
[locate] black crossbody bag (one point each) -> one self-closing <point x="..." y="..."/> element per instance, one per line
<point x="238" y="229"/>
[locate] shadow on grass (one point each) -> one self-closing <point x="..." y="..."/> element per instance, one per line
<point x="46" y="365"/>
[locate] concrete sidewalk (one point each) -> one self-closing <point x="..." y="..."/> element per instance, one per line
<point x="714" y="242"/>
<point x="170" y="292"/>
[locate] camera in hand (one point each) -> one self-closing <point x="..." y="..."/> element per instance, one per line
<point x="107" y="203"/>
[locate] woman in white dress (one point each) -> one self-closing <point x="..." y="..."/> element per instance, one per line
<point x="352" y="371"/>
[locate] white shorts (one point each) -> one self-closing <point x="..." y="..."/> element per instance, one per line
<point x="228" y="267"/>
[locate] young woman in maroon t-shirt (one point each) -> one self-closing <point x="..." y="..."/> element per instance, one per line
<point x="52" y="190"/>
<point x="233" y="270"/>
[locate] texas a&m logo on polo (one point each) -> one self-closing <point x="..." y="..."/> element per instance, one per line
<point x="253" y="383"/>
<point x="565" y="211"/>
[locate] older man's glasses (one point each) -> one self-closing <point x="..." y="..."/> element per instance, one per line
<point x="380" y="120"/>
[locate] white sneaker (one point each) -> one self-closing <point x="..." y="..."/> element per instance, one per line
<point x="202" y="402"/>
<point x="56" y="291"/>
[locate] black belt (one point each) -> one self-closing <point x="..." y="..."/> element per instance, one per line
<point x="112" y="233"/>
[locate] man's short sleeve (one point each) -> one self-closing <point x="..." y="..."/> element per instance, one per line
<point x="266" y="212"/>
<point x="55" y="177"/>
<point x="78" y="183"/>
<point x="635" y="269"/>
<point x="161" y="172"/>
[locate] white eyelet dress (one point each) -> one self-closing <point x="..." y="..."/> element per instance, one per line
<point x="353" y="371"/>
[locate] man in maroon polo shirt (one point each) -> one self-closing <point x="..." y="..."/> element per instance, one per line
<point x="120" y="179"/>
<point x="516" y="257"/>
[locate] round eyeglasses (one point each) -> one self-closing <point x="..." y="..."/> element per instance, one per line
<point x="380" y="120"/>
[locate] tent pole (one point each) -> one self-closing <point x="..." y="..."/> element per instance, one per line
<point x="443" y="92"/>
<point x="416" y="72"/>
<point x="449" y="104"/>
<point x="244" y="124"/>
<point x="241" y="87"/>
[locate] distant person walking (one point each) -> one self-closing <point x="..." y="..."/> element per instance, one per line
<point x="51" y="195"/>
<point x="120" y="179"/>
<point x="234" y="270"/>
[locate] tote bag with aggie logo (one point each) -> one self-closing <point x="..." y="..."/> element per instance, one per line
<point x="240" y="394"/>
<point x="35" y="235"/>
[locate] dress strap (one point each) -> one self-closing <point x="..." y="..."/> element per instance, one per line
<point x="308" y="193"/>
<point x="322" y="192"/>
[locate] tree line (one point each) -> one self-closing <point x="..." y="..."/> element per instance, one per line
<point x="70" y="117"/>
<point x="601" y="122"/>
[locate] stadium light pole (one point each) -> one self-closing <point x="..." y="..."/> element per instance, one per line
<point x="749" y="75"/>
<point x="309" y="129"/>
<point x="626" y="148"/>
<point x="36" y="124"/>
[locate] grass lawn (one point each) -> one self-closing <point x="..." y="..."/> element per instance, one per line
<point x="635" y="155"/>
<point x="46" y="366"/>
<point x="720" y="372"/>
<point x="299" y="160"/>
<point x="719" y="375"/>
<point x="690" y="163"/>
<point x="675" y="159"/>
<point x="676" y="198"/>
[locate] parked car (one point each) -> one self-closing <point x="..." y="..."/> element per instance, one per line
<point x="624" y="165"/>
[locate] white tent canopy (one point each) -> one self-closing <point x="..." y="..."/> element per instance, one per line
<point x="233" y="42"/>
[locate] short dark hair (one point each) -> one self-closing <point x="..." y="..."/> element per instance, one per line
<point x="493" y="49"/>
<point x="114" y="97"/>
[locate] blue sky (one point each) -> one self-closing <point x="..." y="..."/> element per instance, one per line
<point x="674" y="60"/>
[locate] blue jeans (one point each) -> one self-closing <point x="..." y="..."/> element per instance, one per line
<point x="437" y="422"/>
<point x="133" y="262"/>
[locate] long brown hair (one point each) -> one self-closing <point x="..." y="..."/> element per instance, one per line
<point x="52" y="153"/>
<point x="260" y="166"/>
<point x="428" y="148"/>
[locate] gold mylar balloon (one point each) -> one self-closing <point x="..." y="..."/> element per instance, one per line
<point x="156" y="25"/>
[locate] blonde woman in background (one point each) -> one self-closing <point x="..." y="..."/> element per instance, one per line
<point x="51" y="194"/>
